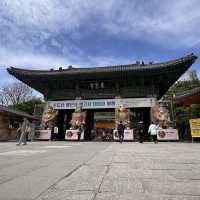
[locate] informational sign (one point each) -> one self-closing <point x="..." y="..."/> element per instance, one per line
<point x="103" y="103"/>
<point x="128" y="134"/>
<point x="44" y="135"/>
<point x="167" y="134"/>
<point x="73" y="135"/>
<point x="195" y="127"/>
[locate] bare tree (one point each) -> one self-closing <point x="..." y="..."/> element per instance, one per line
<point x="2" y="100"/>
<point x="193" y="75"/>
<point x="15" y="93"/>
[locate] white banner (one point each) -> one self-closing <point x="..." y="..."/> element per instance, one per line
<point x="167" y="134"/>
<point x="103" y="103"/>
<point x="128" y="134"/>
<point x="73" y="135"/>
<point x="44" y="135"/>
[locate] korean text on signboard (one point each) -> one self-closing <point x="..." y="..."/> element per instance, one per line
<point x="195" y="127"/>
<point x="102" y="103"/>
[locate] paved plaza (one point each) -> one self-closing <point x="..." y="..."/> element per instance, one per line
<point x="99" y="171"/>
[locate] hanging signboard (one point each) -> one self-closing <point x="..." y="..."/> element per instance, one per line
<point x="102" y="103"/>
<point x="195" y="127"/>
<point x="167" y="134"/>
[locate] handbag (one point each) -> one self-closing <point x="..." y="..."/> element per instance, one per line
<point x="28" y="129"/>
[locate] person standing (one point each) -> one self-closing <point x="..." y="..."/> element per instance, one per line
<point x="55" y="133"/>
<point x="80" y="131"/>
<point x="120" y="130"/>
<point x="182" y="128"/>
<point x="153" y="132"/>
<point x="24" y="131"/>
<point x="141" y="133"/>
<point x="93" y="134"/>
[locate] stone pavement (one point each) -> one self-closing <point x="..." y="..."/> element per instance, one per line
<point x="100" y="171"/>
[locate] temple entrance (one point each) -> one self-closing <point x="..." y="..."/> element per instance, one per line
<point x="100" y="123"/>
<point x="62" y="121"/>
<point x="140" y="116"/>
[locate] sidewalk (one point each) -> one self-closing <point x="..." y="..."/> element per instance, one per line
<point x="100" y="171"/>
<point x="134" y="171"/>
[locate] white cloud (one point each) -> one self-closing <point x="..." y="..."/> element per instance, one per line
<point x="38" y="61"/>
<point x="175" y="22"/>
<point x="32" y="22"/>
<point x="29" y="27"/>
<point x="31" y="60"/>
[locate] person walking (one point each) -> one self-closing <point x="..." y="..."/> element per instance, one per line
<point x="153" y="132"/>
<point x="24" y="131"/>
<point x="32" y="133"/>
<point x="120" y="130"/>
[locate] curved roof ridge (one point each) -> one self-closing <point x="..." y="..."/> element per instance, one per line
<point x="133" y="66"/>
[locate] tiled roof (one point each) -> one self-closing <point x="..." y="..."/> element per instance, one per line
<point x="108" y="69"/>
<point x="15" y="112"/>
<point x="187" y="93"/>
<point x="64" y="83"/>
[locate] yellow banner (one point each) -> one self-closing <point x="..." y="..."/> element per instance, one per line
<point x="195" y="127"/>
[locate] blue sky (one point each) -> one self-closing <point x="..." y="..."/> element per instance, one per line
<point x="42" y="34"/>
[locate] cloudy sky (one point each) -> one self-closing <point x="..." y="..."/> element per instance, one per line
<point x="42" y="34"/>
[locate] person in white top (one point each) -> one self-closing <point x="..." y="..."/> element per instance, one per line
<point x="153" y="132"/>
<point x="55" y="133"/>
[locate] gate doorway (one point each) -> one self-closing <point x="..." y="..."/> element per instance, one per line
<point x="62" y="121"/>
<point x="140" y="116"/>
<point x="99" y="124"/>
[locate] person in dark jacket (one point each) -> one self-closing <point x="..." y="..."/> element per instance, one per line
<point x="80" y="131"/>
<point x="141" y="133"/>
<point x="120" y="130"/>
<point x="182" y="128"/>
